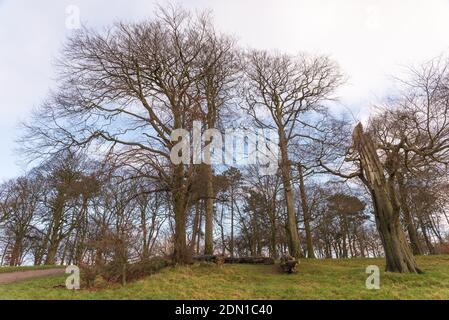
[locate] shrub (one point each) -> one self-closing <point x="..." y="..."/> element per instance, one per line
<point x="115" y="272"/>
<point x="442" y="248"/>
<point x="146" y="267"/>
<point x="88" y="275"/>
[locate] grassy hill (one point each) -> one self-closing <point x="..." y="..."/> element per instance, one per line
<point x="316" y="279"/>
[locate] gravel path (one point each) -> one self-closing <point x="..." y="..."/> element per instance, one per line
<point x="29" y="274"/>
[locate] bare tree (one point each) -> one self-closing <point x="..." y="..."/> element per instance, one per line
<point x="19" y="201"/>
<point x="127" y="90"/>
<point x="411" y="134"/>
<point x="221" y="66"/>
<point x="280" y="90"/>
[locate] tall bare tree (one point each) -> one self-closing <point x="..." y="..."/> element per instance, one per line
<point x="128" y="89"/>
<point x="281" y="89"/>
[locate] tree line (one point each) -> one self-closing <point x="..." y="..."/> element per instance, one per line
<point x="104" y="188"/>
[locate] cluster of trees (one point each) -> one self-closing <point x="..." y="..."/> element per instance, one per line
<point x="73" y="210"/>
<point x="69" y="211"/>
<point x="106" y="189"/>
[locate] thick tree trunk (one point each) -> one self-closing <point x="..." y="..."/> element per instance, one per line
<point x="399" y="257"/>
<point x="51" y="254"/>
<point x="292" y="225"/>
<point x="181" y="252"/>
<point x="397" y="251"/>
<point x="209" y="237"/>
<point x="16" y="252"/>
<point x="56" y="223"/>
<point x="306" y="213"/>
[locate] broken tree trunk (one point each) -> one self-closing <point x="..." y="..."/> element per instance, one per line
<point x="399" y="257"/>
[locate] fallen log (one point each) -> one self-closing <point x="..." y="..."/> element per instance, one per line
<point x="250" y="260"/>
<point x="219" y="259"/>
<point x="206" y="258"/>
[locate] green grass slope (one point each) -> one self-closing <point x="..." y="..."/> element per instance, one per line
<point x="316" y="279"/>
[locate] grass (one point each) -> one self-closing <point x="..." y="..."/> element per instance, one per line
<point x="316" y="279"/>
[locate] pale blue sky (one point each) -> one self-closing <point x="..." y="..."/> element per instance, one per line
<point x="370" y="40"/>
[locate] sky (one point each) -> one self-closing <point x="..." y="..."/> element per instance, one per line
<point x="371" y="40"/>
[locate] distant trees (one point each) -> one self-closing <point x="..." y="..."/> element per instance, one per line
<point x="341" y="226"/>
<point x="19" y="203"/>
<point x="67" y="213"/>
<point x="349" y="212"/>
<point x="264" y="204"/>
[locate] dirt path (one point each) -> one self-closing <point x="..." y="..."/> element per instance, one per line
<point x="29" y="274"/>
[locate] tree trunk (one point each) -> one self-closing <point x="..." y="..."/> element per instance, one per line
<point x="344" y="231"/>
<point x="16" y="252"/>
<point x="272" y="216"/>
<point x="51" y="254"/>
<point x="209" y="237"/>
<point x="222" y="231"/>
<point x="55" y="228"/>
<point x="231" y="245"/>
<point x="292" y="224"/>
<point x="195" y="226"/>
<point x="200" y="230"/>
<point x="181" y="253"/>
<point x="306" y="213"/>
<point x="429" y="245"/>
<point x="399" y="257"/>
<point x="397" y="251"/>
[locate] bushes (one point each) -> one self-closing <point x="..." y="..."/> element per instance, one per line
<point x="146" y="267"/>
<point x="88" y="275"/>
<point x="442" y="248"/>
<point x="121" y="273"/>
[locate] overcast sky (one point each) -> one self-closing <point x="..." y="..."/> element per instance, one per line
<point x="371" y="40"/>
